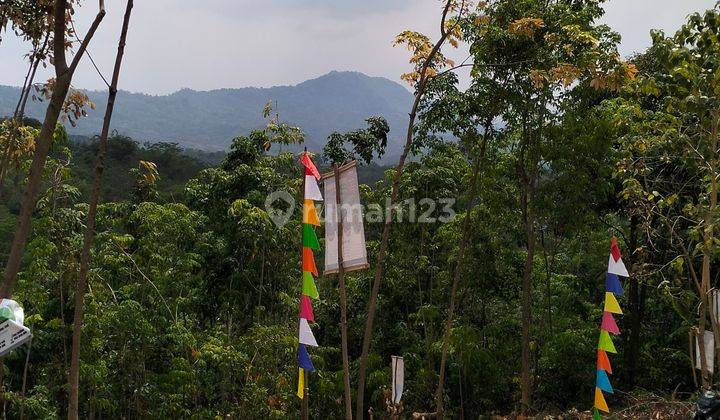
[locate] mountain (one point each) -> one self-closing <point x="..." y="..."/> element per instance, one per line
<point x="208" y="120"/>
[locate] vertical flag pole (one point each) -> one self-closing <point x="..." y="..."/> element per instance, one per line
<point x="306" y="377"/>
<point x="343" y="301"/>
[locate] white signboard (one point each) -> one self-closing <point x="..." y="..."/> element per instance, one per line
<point x="709" y="352"/>
<point x="12" y="335"/>
<point x="353" y="246"/>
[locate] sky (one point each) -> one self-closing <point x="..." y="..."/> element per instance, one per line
<point x="211" y="44"/>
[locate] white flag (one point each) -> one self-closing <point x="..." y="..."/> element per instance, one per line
<point x="709" y="343"/>
<point x="617" y="267"/>
<point x="312" y="191"/>
<point x="398" y="375"/>
<point x="306" y="335"/>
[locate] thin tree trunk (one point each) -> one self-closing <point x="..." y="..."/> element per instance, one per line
<point x="528" y="222"/>
<point x="64" y="74"/>
<point x="74" y="376"/>
<point x="439" y="394"/>
<point x="382" y="250"/>
<point x="24" y="381"/>
<point x="343" y="298"/>
<point x="708" y="238"/>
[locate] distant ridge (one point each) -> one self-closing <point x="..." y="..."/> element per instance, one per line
<point x="208" y="120"/>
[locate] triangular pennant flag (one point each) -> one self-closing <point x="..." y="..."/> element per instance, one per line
<point x="596" y="414"/>
<point x="301" y="383"/>
<point x="310" y="216"/>
<point x="611" y="304"/>
<point x="605" y="342"/>
<point x="614" y="248"/>
<point x="608" y="323"/>
<point x="308" y="261"/>
<point x="603" y="382"/>
<point x="603" y="362"/>
<point x="312" y="191"/>
<point x="304" y="359"/>
<point x="600" y="403"/>
<point x="306" y="310"/>
<point x="310" y="239"/>
<point x="309" y="288"/>
<point x="612" y="284"/>
<point x="305" y="335"/>
<point x="309" y="165"/>
<point x="617" y="267"/>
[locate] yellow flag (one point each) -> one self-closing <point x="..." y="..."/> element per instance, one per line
<point x="600" y="403"/>
<point x="301" y="383"/>
<point x="611" y="304"/>
<point x="310" y="215"/>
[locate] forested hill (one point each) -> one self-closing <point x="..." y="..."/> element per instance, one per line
<point x="337" y="101"/>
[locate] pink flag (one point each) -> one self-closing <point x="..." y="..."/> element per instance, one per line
<point x="306" y="310"/>
<point x="608" y="323"/>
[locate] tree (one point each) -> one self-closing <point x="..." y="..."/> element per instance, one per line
<point x="74" y="375"/>
<point x="63" y="73"/>
<point x="427" y="59"/>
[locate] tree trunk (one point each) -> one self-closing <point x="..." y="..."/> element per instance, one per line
<point x="74" y="376"/>
<point x="64" y="74"/>
<point x="382" y="250"/>
<point x="439" y="394"/>
<point x="528" y="223"/>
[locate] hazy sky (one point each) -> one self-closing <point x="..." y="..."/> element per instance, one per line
<point x="210" y="44"/>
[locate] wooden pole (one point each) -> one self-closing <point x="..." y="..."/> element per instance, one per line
<point x="306" y="377"/>
<point x="343" y="301"/>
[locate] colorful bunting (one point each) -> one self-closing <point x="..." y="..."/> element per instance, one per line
<point x="310" y="239"/>
<point x="304" y="359"/>
<point x="600" y="403"/>
<point x="603" y="362"/>
<point x="310" y="216"/>
<point x="611" y="304"/>
<point x="309" y="289"/>
<point x="306" y="310"/>
<point x="308" y="261"/>
<point x="301" y="383"/>
<point x="603" y="382"/>
<point x="612" y="284"/>
<point x="608" y="323"/>
<point x="608" y="326"/>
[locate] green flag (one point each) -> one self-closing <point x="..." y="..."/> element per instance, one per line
<point x="310" y="240"/>
<point x="606" y="343"/>
<point x="309" y="288"/>
<point x="596" y="414"/>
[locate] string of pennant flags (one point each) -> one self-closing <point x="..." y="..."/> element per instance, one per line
<point x="608" y="326"/>
<point x="310" y="243"/>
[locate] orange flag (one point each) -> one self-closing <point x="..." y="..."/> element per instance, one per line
<point x="600" y="403"/>
<point x="308" y="261"/>
<point x="310" y="215"/>
<point x="603" y="362"/>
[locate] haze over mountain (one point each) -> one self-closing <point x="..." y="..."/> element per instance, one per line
<point x="208" y="120"/>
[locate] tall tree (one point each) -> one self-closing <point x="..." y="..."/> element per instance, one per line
<point x="428" y="59"/>
<point x="74" y="375"/>
<point x="63" y="77"/>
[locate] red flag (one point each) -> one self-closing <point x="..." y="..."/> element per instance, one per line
<point x="310" y="168"/>
<point x="306" y="310"/>
<point x="614" y="249"/>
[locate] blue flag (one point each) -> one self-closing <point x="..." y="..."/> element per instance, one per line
<point x="304" y="358"/>
<point x="603" y="382"/>
<point x="612" y="284"/>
